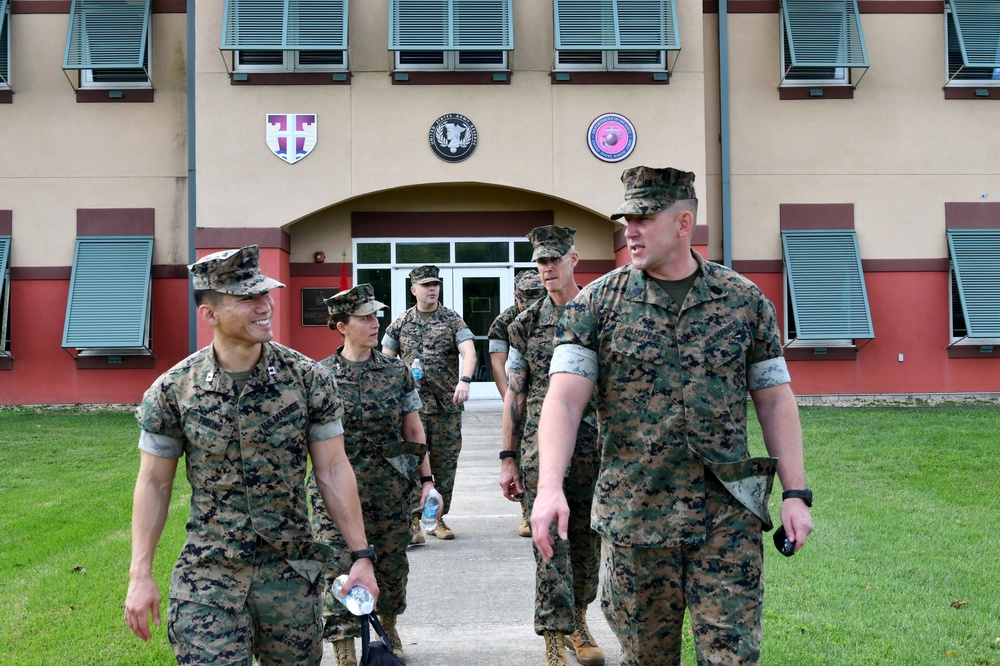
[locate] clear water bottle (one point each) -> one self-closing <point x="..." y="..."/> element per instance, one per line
<point x="417" y="368"/>
<point x="428" y="518"/>
<point x="359" y="600"/>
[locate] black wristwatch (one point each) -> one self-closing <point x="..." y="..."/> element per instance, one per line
<point x="465" y="378"/>
<point x="805" y="495"/>
<point x="507" y="454"/>
<point x="425" y="479"/>
<point x="368" y="552"/>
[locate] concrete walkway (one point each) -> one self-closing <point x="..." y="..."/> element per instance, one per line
<point x="470" y="602"/>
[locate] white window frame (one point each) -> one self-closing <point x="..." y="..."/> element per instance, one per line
<point x="291" y="63"/>
<point x="610" y="62"/>
<point x="841" y="75"/>
<point x="963" y="83"/>
<point x="451" y="62"/>
<point x="87" y="75"/>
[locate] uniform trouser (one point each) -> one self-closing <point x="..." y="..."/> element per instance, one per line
<point x="281" y="622"/>
<point x="570" y="577"/>
<point x="385" y="507"/>
<point x="721" y="582"/>
<point x="444" y="443"/>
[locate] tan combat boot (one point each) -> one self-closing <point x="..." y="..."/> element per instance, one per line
<point x="388" y="621"/>
<point x="343" y="652"/>
<point x="416" y="532"/>
<point x="443" y="532"/>
<point x="525" y="528"/>
<point x="555" y="651"/>
<point x="581" y="642"/>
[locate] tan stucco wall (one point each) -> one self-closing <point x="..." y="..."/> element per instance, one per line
<point x="60" y="155"/>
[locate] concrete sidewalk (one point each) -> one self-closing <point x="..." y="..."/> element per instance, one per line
<point x="470" y="602"/>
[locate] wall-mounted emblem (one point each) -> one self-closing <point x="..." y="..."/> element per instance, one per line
<point x="611" y="137"/>
<point x="453" y="137"/>
<point x="290" y="136"/>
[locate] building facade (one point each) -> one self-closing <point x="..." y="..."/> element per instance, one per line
<point x="842" y="149"/>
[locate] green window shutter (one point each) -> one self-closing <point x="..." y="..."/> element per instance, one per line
<point x="977" y="23"/>
<point x="616" y="25"/>
<point x="975" y="258"/>
<point x="284" y="25"/>
<point x="107" y="34"/>
<point x="4" y="56"/>
<point x="109" y="293"/>
<point x="451" y="25"/>
<point x="827" y="285"/>
<point x="824" y="33"/>
<point x="4" y="250"/>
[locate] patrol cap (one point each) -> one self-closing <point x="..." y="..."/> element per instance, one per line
<point x="424" y="275"/>
<point x="649" y="190"/>
<point x="233" y="272"/>
<point x="550" y="241"/>
<point x="528" y="285"/>
<point x="358" y="301"/>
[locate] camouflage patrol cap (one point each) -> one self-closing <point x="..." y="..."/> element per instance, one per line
<point x="358" y="301"/>
<point x="528" y="285"/>
<point x="551" y="241"/>
<point x="232" y="272"/>
<point x="424" y="274"/>
<point x="649" y="190"/>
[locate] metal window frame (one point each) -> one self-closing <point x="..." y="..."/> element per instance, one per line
<point x="5" y="45"/>
<point x="451" y="25"/>
<point x="814" y="43"/>
<point x="974" y="256"/>
<point x="108" y="309"/>
<point x="824" y="308"/>
<point x="108" y="34"/>
<point x="977" y="28"/>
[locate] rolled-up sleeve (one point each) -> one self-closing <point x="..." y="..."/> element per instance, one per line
<point x="574" y="359"/>
<point x="161" y="446"/>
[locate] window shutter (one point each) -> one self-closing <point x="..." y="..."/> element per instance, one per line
<point x="826" y="283"/>
<point x="107" y="34"/>
<point x="824" y="33"/>
<point x="4" y="56"/>
<point x="109" y="293"/>
<point x="977" y="23"/>
<point x="616" y="25"/>
<point x="284" y="25"/>
<point x="451" y="25"/>
<point x="975" y="258"/>
<point x="4" y="250"/>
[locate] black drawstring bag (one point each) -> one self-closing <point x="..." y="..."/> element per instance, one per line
<point x="376" y="653"/>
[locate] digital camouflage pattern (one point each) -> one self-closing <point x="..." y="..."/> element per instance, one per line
<point x="649" y="190"/>
<point x="358" y="301"/>
<point x="528" y="285"/>
<point x="570" y="577"/>
<point x="424" y="275"/>
<point x="497" y="335"/>
<point x="550" y="241"/>
<point x="672" y="389"/>
<point x="376" y="396"/>
<point x="232" y="272"/>
<point x="246" y="460"/>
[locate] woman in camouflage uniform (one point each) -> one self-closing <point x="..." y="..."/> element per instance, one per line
<point x="385" y="442"/>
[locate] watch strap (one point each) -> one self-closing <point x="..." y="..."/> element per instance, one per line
<point x="805" y="495"/>
<point x="425" y="479"/>
<point x="465" y="378"/>
<point x="364" y="553"/>
<point x="507" y="454"/>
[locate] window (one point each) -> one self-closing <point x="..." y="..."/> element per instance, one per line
<point x="821" y="41"/>
<point x="975" y="286"/>
<point x="4" y="300"/>
<point x="615" y="34"/>
<point x="4" y="46"/>
<point x="826" y="298"/>
<point x="291" y="36"/>
<point x="108" y="41"/>
<point x="972" y="42"/>
<point x="109" y="296"/>
<point x="451" y="34"/>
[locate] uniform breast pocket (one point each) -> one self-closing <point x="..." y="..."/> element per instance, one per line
<point x="208" y="435"/>
<point x="637" y="359"/>
<point x="724" y="359"/>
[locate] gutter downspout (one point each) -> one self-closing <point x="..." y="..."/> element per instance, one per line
<point x="191" y="174"/>
<point x="727" y="213"/>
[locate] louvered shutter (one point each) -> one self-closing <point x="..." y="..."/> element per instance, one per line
<point x="451" y="25"/>
<point x="975" y="258"/>
<point x="616" y="25"/>
<point x="107" y="34"/>
<point x="823" y="33"/>
<point x="284" y="25"/>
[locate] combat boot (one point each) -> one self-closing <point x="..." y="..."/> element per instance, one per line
<point x="416" y="532"/>
<point x="555" y="651"/>
<point x="388" y="621"/>
<point x="525" y="528"/>
<point x="443" y="532"/>
<point x="343" y="652"/>
<point x="581" y="642"/>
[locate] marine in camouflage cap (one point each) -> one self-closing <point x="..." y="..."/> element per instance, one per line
<point x="528" y="285"/>
<point x="424" y="275"/>
<point x="235" y="272"/>
<point x="358" y="301"/>
<point x="550" y="241"/>
<point x="649" y="190"/>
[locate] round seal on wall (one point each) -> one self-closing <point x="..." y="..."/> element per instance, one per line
<point x="611" y="137"/>
<point x="453" y="137"/>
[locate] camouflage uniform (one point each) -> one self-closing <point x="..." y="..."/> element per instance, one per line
<point x="435" y="341"/>
<point x="680" y="503"/>
<point x="497" y="335"/>
<point x="249" y="550"/>
<point x="569" y="579"/>
<point x="376" y="395"/>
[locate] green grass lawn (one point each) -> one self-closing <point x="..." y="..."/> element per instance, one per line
<point x="903" y="568"/>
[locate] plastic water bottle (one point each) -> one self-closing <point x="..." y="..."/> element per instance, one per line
<point x="428" y="518"/>
<point x="359" y="600"/>
<point x="417" y="368"/>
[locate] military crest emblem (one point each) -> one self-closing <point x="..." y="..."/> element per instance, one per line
<point x="453" y="137"/>
<point x="611" y="137"/>
<point x="290" y="136"/>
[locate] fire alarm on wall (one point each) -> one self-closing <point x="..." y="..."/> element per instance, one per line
<point x="319" y="257"/>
